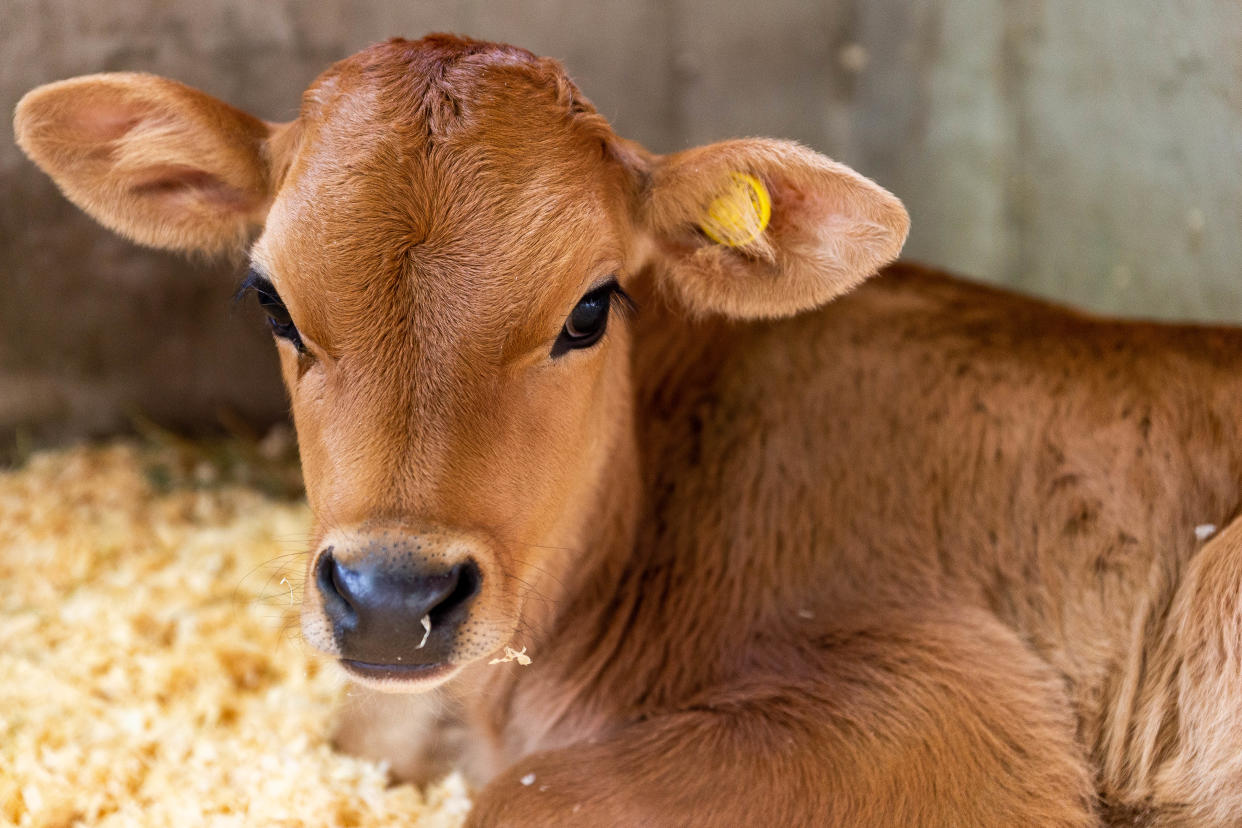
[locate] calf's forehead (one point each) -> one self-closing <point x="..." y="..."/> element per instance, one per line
<point x="502" y="199"/>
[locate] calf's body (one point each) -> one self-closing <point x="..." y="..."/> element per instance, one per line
<point x="924" y="555"/>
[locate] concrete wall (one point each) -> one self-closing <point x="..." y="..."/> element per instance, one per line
<point x="1086" y="151"/>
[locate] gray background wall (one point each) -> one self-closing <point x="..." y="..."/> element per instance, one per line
<point x="1089" y="150"/>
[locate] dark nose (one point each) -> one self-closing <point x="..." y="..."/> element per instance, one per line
<point x="377" y="609"/>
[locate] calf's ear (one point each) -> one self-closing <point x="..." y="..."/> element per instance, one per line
<point x="156" y="161"/>
<point x="762" y="228"/>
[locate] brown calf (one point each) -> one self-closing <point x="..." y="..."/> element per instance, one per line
<point x="927" y="555"/>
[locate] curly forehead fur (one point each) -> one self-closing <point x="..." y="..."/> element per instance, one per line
<point x="442" y="82"/>
<point x="486" y="139"/>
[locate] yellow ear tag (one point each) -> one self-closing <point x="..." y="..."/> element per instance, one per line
<point x="740" y="214"/>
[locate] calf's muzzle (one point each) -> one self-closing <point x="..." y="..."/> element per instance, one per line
<point x="394" y="617"/>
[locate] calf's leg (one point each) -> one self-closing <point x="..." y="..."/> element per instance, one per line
<point x="1175" y="748"/>
<point x="891" y="722"/>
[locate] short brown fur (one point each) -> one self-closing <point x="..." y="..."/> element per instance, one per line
<point x="926" y="555"/>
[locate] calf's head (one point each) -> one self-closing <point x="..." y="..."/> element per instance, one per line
<point x="445" y="242"/>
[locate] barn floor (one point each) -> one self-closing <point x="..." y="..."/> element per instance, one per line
<point x="150" y="667"/>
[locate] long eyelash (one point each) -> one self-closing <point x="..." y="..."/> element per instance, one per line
<point x="255" y="282"/>
<point x="251" y="281"/>
<point x="622" y="302"/>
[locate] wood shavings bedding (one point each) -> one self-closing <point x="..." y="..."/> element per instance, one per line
<point x="151" y="672"/>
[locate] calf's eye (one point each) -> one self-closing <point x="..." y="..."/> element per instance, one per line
<point x="278" y="317"/>
<point x="589" y="318"/>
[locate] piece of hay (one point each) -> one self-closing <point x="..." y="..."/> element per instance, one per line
<point x="151" y="672"/>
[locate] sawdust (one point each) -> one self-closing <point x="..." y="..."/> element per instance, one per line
<point x="426" y="622"/>
<point x="511" y="654"/>
<point x="151" y="672"/>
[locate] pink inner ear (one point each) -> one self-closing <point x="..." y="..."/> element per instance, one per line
<point x="172" y="180"/>
<point x="102" y="122"/>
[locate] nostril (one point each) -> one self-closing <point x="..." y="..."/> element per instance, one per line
<point x="466" y="580"/>
<point x="334" y="594"/>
